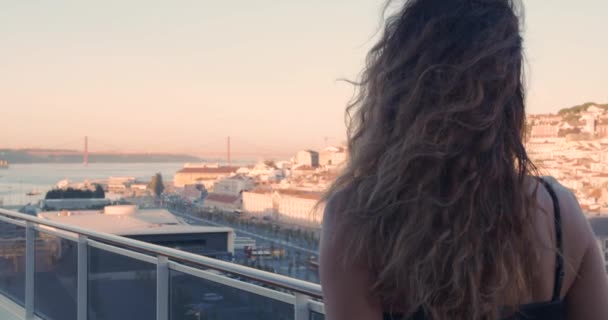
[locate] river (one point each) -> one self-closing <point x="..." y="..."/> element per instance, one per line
<point x="20" y="179"/>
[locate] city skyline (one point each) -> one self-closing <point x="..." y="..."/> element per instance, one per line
<point x="156" y="77"/>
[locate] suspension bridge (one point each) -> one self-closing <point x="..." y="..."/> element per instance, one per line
<point x="86" y="146"/>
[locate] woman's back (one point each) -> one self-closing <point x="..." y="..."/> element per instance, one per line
<point x="439" y="208"/>
<point x="582" y="292"/>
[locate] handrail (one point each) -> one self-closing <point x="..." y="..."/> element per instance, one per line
<point x="310" y="289"/>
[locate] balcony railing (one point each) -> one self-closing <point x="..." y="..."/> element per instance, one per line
<point x="59" y="272"/>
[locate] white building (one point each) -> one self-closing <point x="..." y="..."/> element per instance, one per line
<point x="266" y="171"/>
<point x="590" y="122"/>
<point x="233" y="185"/>
<point x="294" y="206"/>
<point x="308" y="158"/>
<point x="332" y="156"/>
<point x="258" y="202"/>
<point x="299" y="206"/>
<point x="543" y="129"/>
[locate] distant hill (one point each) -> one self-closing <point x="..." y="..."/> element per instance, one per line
<point x="73" y="156"/>
<point x="582" y="107"/>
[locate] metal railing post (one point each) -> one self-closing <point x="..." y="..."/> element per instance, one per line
<point x="82" y="278"/>
<point x="30" y="269"/>
<point x="302" y="312"/>
<point x="162" y="288"/>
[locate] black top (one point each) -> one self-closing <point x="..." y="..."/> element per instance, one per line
<point x="553" y="309"/>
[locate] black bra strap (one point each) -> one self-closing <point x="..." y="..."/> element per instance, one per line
<point x="559" y="259"/>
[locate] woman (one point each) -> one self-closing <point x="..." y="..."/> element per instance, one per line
<point x="440" y="213"/>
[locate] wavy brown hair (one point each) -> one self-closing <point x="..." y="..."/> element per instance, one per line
<point x="436" y="195"/>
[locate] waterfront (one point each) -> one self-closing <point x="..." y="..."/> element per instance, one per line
<point x="20" y="179"/>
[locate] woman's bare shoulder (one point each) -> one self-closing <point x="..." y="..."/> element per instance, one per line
<point x="574" y="223"/>
<point x="577" y="235"/>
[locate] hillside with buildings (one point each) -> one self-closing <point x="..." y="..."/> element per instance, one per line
<point x="572" y="146"/>
<point x="285" y="191"/>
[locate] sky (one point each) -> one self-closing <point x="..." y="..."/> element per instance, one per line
<point x="181" y="76"/>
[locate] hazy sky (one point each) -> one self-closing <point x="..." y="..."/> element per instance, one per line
<point x="180" y="76"/>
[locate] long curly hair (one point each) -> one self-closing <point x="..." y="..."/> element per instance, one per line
<point x="436" y="195"/>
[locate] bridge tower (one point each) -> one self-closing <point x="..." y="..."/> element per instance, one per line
<point x="85" y="155"/>
<point x="228" y="151"/>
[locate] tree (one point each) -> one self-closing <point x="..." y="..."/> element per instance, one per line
<point x="69" y="193"/>
<point x="581" y="107"/>
<point x="156" y="185"/>
<point x="99" y="193"/>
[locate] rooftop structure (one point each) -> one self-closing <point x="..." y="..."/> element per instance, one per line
<point x="126" y="220"/>
<point x="154" y="226"/>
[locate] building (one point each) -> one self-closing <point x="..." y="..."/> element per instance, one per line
<point x="258" y="202"/>
<point x="332" y="156"/>
<point x="156" y="226"/>
<point x="120" y="184"/>
<point x="202" y="175"/>
<point x="545" y="129"/>
<point x="233" y="185"/>
<point x="299" y="206"/>
<point x="287" y="205"/>
<point x="308" y="158"/>
<point x="600" y="229"/>
<point x="222" y="202"/>
<point x="265" y="171"/>
<point x="590" y="123"/>
<point x="601" y="128"/>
